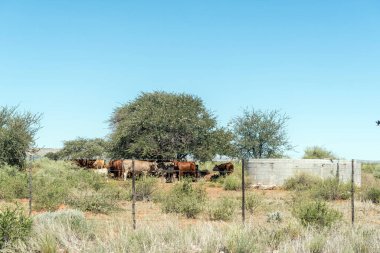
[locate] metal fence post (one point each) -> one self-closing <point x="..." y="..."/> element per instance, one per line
<point x="133" y="195"/>
<point x="243" y="190"/>
<point x="352" y="193"/>
<point x="30" y="184"/>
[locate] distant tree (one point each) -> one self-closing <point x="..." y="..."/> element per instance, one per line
<point x="83" y="148"/>
<point x="259" y="134"/>
<point x="162" y="125"/>
<point x="317" y="152"/>
<point x="17" y="135"/>
<point x="53" y="156"/>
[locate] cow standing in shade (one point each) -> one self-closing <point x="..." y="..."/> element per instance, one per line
<point x="141" y="168"/>
<point x="116" y="168"/>
<point x="185" y="168"/>
<point x="224" y="168"/>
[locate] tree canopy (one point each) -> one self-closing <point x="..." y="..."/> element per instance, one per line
<point x="259" y="134"/>
<point x="83" y="148"/>
<point x="162" y="125"/>
<point x="17" y="135"/>
<point x="317" y="152"/>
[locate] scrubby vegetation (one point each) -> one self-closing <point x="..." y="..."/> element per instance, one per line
<point x="316" y="213"/>
<point x="14" y="226"/>
<point x="301" y="182"/>
<point x="185" y="199"/>
<point x="222" y="209"/>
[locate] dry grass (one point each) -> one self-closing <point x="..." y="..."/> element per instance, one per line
<point x="74" y="231"/>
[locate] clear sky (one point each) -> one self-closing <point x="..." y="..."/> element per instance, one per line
<point x="316" y="61"/>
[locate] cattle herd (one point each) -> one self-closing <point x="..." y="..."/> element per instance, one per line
<point x="169" y="169"/>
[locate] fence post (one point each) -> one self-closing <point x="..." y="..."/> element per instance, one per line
<point x="243" y="190"/>
<point x="352" y="193"/>
<point x="133" y="195"/>
<point x="30" y="184"/>
<point x="337" y="172"/>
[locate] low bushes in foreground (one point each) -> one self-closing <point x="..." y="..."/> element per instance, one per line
<point x="222" y="209"/>
<point x="184" y="199"/>
<point x="372" y="194"/>
<point x="301" y="182"/>
<point x="14" y="226"/>
<point x="316" y="213"/>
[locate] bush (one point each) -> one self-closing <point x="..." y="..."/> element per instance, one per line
<point x="222" y="209"/>
<point x="72" y="220"/>
<point x="331" y="189"/>
<point x="184" y="199"/>
<point x="92" y="201"/>
<point x="252" y="202"/>
<point x="145" y="187"/>
<point x="316" y="213"/>
<point x="274" y="217"/>
<point x="13" y="183"/>
<point x="232" y="183"/>
<point x="372" y="194"/>
<point x="14" y="225"/>
<point x="300" y="182"/>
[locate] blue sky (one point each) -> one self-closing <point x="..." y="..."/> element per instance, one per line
<point x="316" y="61"/>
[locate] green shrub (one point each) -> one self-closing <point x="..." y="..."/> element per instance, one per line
<point x="93" y="201"/>
<point x="331" y="189"/>
<point x="232" y="183"/>
<point x="72" y="220"/>
<point x="222" y="209"/>
<point x="316" y="213"/>
<point x="274" y="217"/>
<point x="372" y="194"/>
<point x="301" y="182"/>
<point x="13" y="183"/>
<point x="14" y="225"/>
<point x="184" y="199"/>
<point x="253" y="202"/>
<point x="317" y="244"/>
<point x="145" y="187"/>
<point x="49" y="193"/>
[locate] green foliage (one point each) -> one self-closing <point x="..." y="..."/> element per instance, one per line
<point x="53" y="156"/>
<point x="101" y="201"/>
<point x="17" y="132"/>
<point x="222" y="209"/>
<point x="316" y="213"/>
<point x="253" y="202"/>
<point x="317" y="244"/>
<point x="83" y="148"/>
<point x="13" y="183"/>
<point x="72" y="220"/>
<point x="331" y="189"/>
<point x="167" y="125"/>
<point x="372" y="194"/>
<point x="316" y="152"/>
<point x="274" y="217"/>
<point x="232" y="183"/>
<point x="14" y="225"/>
<point x="301" y="182"/>
<point x="60" y="182"/>
<point x="184" y="199"/>
<point x="260" y="134"/>
<point x="372" y="168"/>
<point x="145" y="188"/>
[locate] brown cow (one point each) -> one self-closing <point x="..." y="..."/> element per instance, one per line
<point x="99" y="164"/>
<point x="140" y="167"/>
<point x="186" y="168"/>
<point x="116" y="167"/>
<point x="224" y="168"/>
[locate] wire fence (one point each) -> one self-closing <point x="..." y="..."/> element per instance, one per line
<point x="141" y="213"/>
